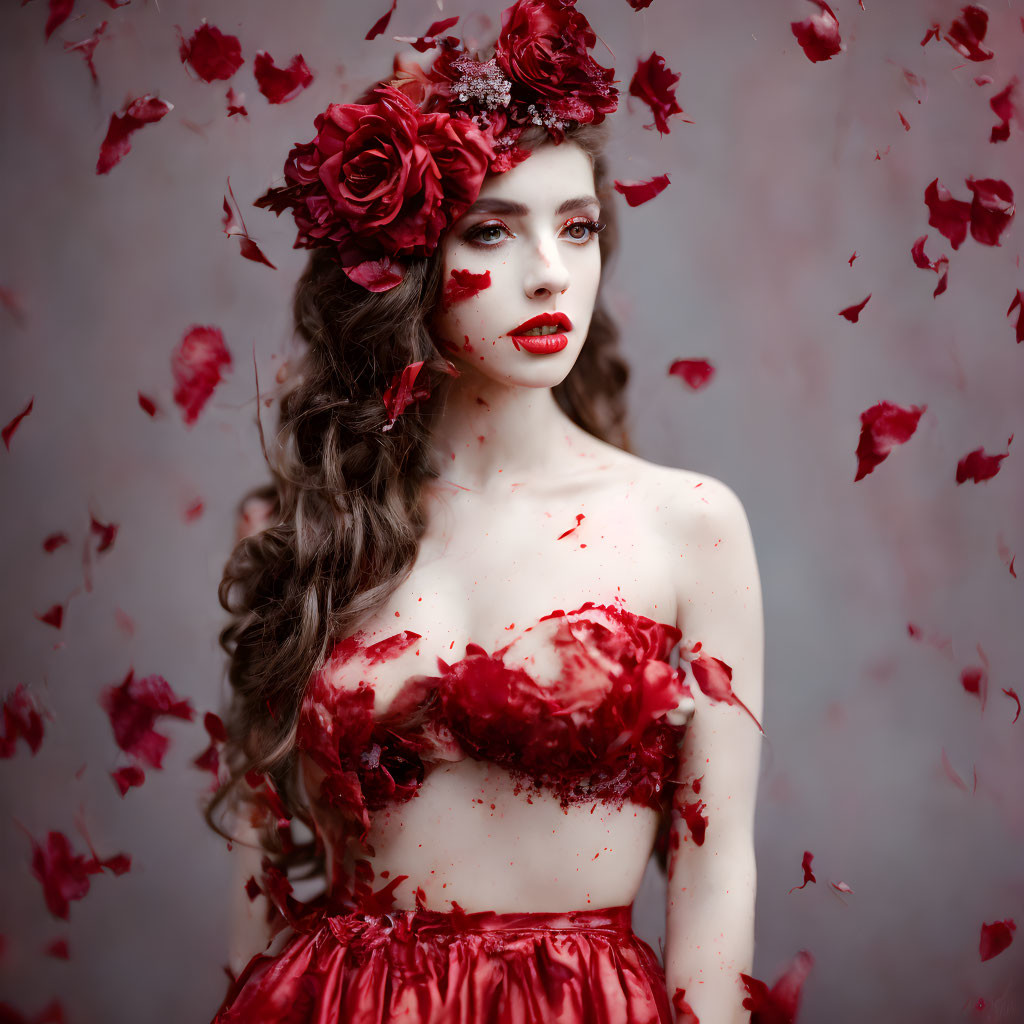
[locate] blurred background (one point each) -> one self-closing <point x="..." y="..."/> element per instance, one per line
<point x="893" y="606"/>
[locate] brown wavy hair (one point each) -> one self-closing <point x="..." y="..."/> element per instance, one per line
<point x="344" y="506"/>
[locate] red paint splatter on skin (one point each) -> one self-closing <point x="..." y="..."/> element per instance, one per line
<point x="147" y="405"/>
<point x="639" y="192"/>
<point x="977" y="466"/>
<point x="852" y="313"/>
<point x="54" y="541"/>
<point x="805" y="864"/>
<point x="696" y="820"/>
<point x="87" y="47"/>
<point x="53" y="616"/>
<point x="381" y="24"/>
<point x="995" y="937"/>
<point x="1012" y="694"/>
<point x="778" y="1005"/>
<point x="684" y="1012"/>
<point x="933" y="33"/>
<point x="197" y="364"/>
<point x="12" y="426"/>
<point x="992" y="209"/>
<point x="1018" y="303"/>
<point x="714" y="677"/>
<point x="654" y="83"/>
<point x="64" y="874"/>
<point x="818" y="35"/>
<point x="464" y="284"/>
<point x="432" y="37"/>
<point x="134" y="707"/>
<point x="134" y="115"/>
<point x="232" y="223"/>
<point x="22" y="718"/>
<point x="402" y="392"/>
<point x="213" y="55"/>
<point x="884" y="426"/>
<point x="579" y="519"/>
<point x="967" y="32"/>
<point x="694" y="373"/>
<point x="129" y="777"/>
<point x="279" y="85"/>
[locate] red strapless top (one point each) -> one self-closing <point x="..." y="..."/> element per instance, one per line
<point x="609" y="728"/>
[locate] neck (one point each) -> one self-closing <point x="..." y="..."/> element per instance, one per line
<point x="491" y="435"/>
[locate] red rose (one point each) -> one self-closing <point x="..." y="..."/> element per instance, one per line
<point x="544" y="47"/>
<point x="382" y="181"/>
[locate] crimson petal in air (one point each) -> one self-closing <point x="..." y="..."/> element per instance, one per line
<point x="135" y="706"/>
<point x="213" y="55"/>
<point x="852" y="313"/>
<point x="196" y="364"/>
<point x="884" y="426"/>
<point x="87" y="47"/>
<point x="978" y="466"/>
<point x="995" y="937"/>
<point x="694" y="373"/>
<point x="780" y="1004"/>
<point x="714" y="678"/>
<point x="818" y="35"/>
<point x="967" y="31"/>
<point x="135" y="114"/>
<point x="654" y="83"/>
<point x="280" y="85"/>
<point x="639" y="192"/>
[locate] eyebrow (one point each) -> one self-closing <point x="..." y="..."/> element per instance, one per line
<point x="507" y="206"/>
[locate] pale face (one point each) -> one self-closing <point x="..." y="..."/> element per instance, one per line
<point x="532" y="229"/>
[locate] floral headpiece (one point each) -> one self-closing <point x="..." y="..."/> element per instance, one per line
<point x="384" y="177"/>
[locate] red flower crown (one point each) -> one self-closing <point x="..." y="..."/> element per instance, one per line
<point x="383" y="178"/>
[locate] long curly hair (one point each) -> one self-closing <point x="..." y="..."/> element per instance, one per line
<point x="344" y="508"/>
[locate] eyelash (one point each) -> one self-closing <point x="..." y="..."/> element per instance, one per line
<point x="473" y="235"/>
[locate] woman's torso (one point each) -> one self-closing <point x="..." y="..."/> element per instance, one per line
<point x="488" y="570"/>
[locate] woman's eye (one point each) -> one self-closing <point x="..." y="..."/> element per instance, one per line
<point x="486" y="234"/>
<point x="583" y="230"/>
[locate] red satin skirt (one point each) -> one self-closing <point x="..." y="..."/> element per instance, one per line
<point x="428" y="967"/>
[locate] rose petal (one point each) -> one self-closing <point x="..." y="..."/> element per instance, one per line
<point x="107" y="533"/>
<point x="967" y="31"/>
<point x="280" y="85"/>
<point x="951" y="216"/>
<point x="995" y="937"/>
<point x="382" y="22"/>
<point x="58" y="14"/>
<point x="1018" y="301"/>
<point x="992" y="209"/>
<point x="852" y="313"/>
<point x="639" y="192"/>
<point x="87" y="47"/>
<point x="780" y="1004"/>
<point x="147" y="404"/>
<point x="402" y="392"/>
<point x="53" y="616"/>
<point x="694" y="373"/>
<point x="714" y="677"/>
<point x="213" y="55"/>
<point x="58" y="949"/>
<point x="235" y="101"/>
<point x="134" y="707"/>
<point x="654" y="83"/>
<point x="805" y="865"/>
<point x="932" y="33"/>
<point x="430" y="38"/>
<point x="135" y="114"/>
<point x="684" y="1012"/>
<point x="196" y="365"/>
<point x="1012" y="694"/>
<point x="818" y="35"/>
<point x="12" y="426"/>
<point x="978" y="466"/>
<point x="884" y="426"/>
<point x="22" y="717"/>
<point x="54" y="541"/>
<point x="127" y="777"/>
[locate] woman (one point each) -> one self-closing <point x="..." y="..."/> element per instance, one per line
<point x="450" y="645"/>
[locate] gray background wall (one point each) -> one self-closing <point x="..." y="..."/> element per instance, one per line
<point x="743" y="261"/>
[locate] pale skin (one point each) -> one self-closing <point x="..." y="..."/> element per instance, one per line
<point x="671" y="544"/>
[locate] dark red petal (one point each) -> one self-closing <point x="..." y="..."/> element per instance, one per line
<point x="884" y="426"/>
<point x="280" y="85"/>
<point x="639" y="5"/>
<point x="967" y="31"/>
<point x="87" y="47"/>
<point x="654" y="83"/>
<point x="382" y="22"/>
<point x="694" y="373"/>
<point x="818" y="35"/>
<point x="12" y="426"/>
<point x="376" y="275"/>
<point x="147" y="404"/>
<point x="136" y="113"/>
<point x="903" y="121"/>
<point x="22" y="717"/>
<point x="852" y="313"/>
<point x="58" y="949"/>
<point x="128" y="777"/>
<point x="951" y="216"/>
<point x="852" y="258"/>
<point x="805" y="865"/>
<point x="1018" y="301"/>
<point x="1012" y="694"/>
<point x="53" y="616"/>
<point x="213" y="55"/>
<point x="978" y="466"/>
<point x="107" y="533"/>
<point x="54" y="541"/>
<point x="196" y="364"/>
<point x="992" y="209"/>
<point x="639" y="192"/>
<point x="778" y="1005"/>
<point x="59" y="11"/>
<point x="932" y="33"/>
<point x="996" y="937"/>
<point x="251" y="251"/>
<point x="235" y="101"/>
<point x="714" y="677"/>
<point x="403" y="391"/>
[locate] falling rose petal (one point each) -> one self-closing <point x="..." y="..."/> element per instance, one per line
<point x="251" y="251"/>
<point x="134" y="707"/>
<point x="951" y="772"/>
<point x="53" y="616"/>
<point x="903" y="121"/>
<point x="684" y="1012"/>
<point x="974" y="679"/>
<point x="995" y="937"/>
<point x="12" y="426"/>
<point x="942" y="269"/>
<point x="967" y="31"/>
<point x="1012" y="694"/>
<point x="430" y="38"/>
<point x="841" y="887"/>
<point x="654" y="83"/>
<point x="805" y="865"/>
<point x="639" y="5"/>
<point x="376" y="275"/>
<point x="87" y="47"/>
<point x="694" y="373"/>
<point x="147" y="404"/>
<point x="235" y="103"/>
<point x="1018" y="303"/>
<point x="918" y="255"/>
<point x="54" y="541"/>
<point x="213" y="55"/>
<point x="58" y="949"/>
<point x="978" y="466"/>
<point x="107" y="533"/>
<point x="639" y="192"/>
<point x="884" y="426"/>
<point x="128" y="777"/>
<point x="196" y="364"/>
<point x="992" y="209"/>
<point x="58" y="14"/>
<point x="209" y="759"/>
<point x="1003" y="106"/>
<point x="464" y="284"/>
<point x="381" y="24"/>
<point x="136" y="114"/>
<point x="402" y="392"/>
<point x="852" y="313"/>
<point x="280" y="85"/>
<point x="852" y="258"/>
<point x="778" y="1005"/>
<point x="932" y="33"/>
<point x="818" y="35"/>
<point x="63" y="874"/>
<point x="22" y="717"/>
<point x="951" y="216"/>
<point x="714" y="678"/>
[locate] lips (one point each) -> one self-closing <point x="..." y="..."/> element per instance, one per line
<point x="544" y="320"/>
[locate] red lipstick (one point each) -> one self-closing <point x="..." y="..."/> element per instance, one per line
<point x="542" y="343"/>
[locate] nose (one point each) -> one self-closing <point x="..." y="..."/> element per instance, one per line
<point x="546" y="274"/>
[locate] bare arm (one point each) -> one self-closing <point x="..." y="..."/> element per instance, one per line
<point x="249" y="932"/>
<point x="712" y="884"/>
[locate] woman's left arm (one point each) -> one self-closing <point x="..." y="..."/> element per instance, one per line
<point x="712" y="876"/>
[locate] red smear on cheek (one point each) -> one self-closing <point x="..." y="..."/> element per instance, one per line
<point x="464" y="284"/>
<point x="694" y="373"/>
<point x="884" y="426"/>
